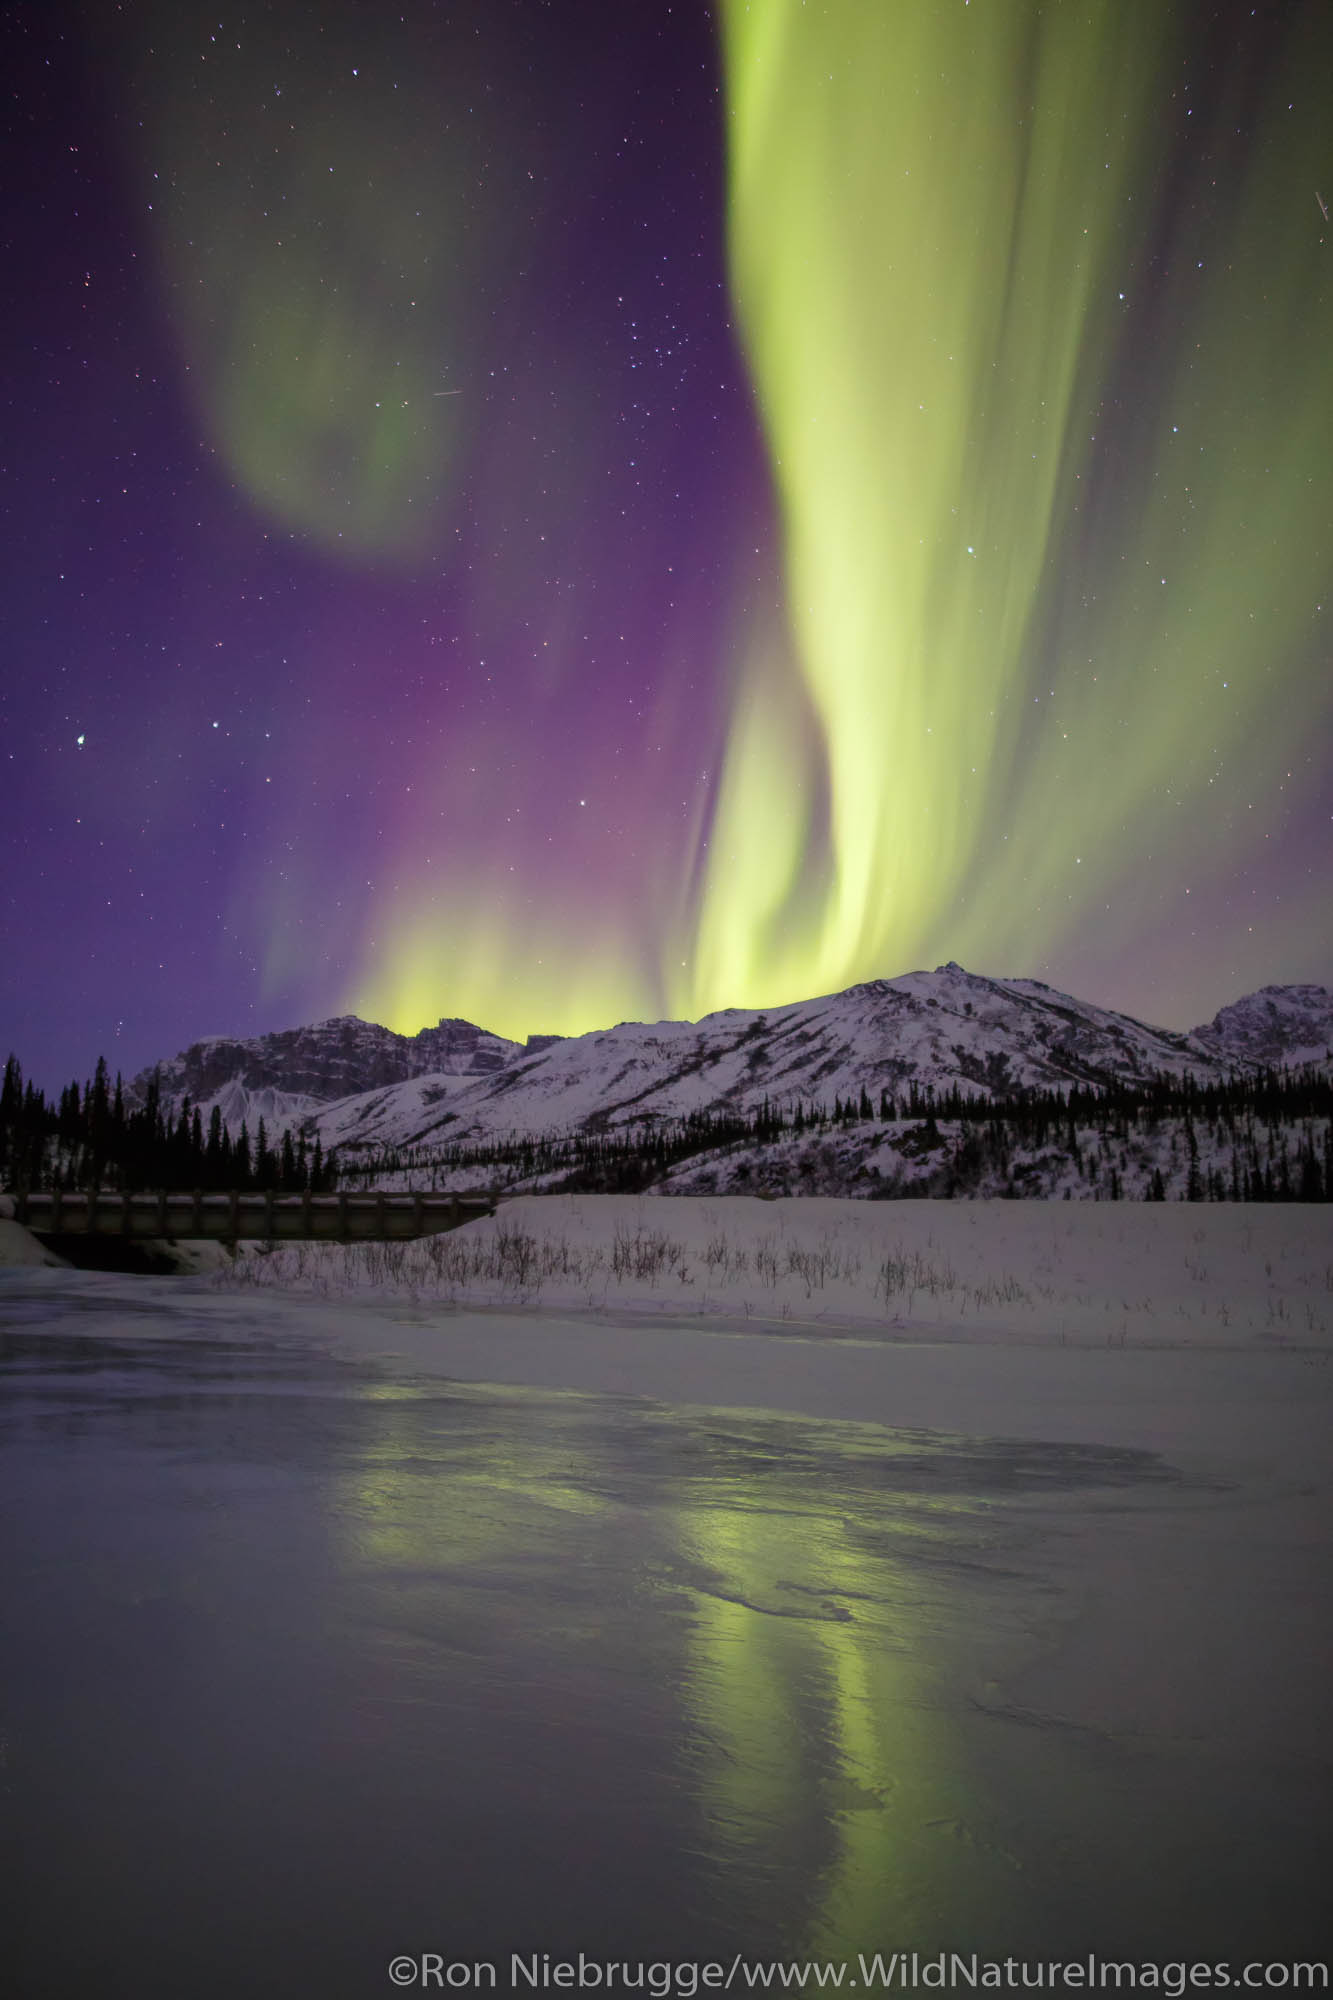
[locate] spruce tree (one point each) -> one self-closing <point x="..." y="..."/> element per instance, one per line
<point x="97" y="1102"/>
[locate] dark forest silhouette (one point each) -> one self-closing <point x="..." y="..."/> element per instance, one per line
<point x="91" y="1140"/>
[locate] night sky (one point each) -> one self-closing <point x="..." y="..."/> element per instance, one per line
<point x="552" y="513"/>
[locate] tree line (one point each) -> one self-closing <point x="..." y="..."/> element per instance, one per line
<point x="90" y="1138"/>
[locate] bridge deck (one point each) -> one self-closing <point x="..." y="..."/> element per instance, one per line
<point x="235" y="1217"/>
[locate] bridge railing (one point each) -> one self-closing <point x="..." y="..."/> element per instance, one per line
<point x="234" y="1217"/>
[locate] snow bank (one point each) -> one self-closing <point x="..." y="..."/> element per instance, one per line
<point x="1100" y="1274"/>
<point x="19" y="1246"/>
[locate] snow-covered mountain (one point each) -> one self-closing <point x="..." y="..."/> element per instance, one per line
<point x="939" y="1028"/>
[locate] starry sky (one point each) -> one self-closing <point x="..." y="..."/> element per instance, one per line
<point x="551" y="511"/>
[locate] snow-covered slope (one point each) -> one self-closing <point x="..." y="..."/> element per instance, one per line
<point x="241" y="1105"/>
<point x="939" y="1029"/>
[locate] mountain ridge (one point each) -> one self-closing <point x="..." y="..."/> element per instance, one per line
<point x="359" y="1084"/>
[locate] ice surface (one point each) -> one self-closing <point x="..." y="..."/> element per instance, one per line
<point x="340" y="1624"/>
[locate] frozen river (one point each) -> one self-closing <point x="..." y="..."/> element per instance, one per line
<point x="319" y="1651"/>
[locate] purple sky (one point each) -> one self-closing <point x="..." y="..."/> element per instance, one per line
<point x="394" y="516"/>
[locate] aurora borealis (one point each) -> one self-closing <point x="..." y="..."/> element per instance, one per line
<point x="552" y="514"/>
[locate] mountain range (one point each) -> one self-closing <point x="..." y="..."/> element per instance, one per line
<point x="361" y="1086"/>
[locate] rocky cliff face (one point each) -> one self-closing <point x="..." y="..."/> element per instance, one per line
<point x="325" y="1062"/>
<point x="1279" y="1026"/>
